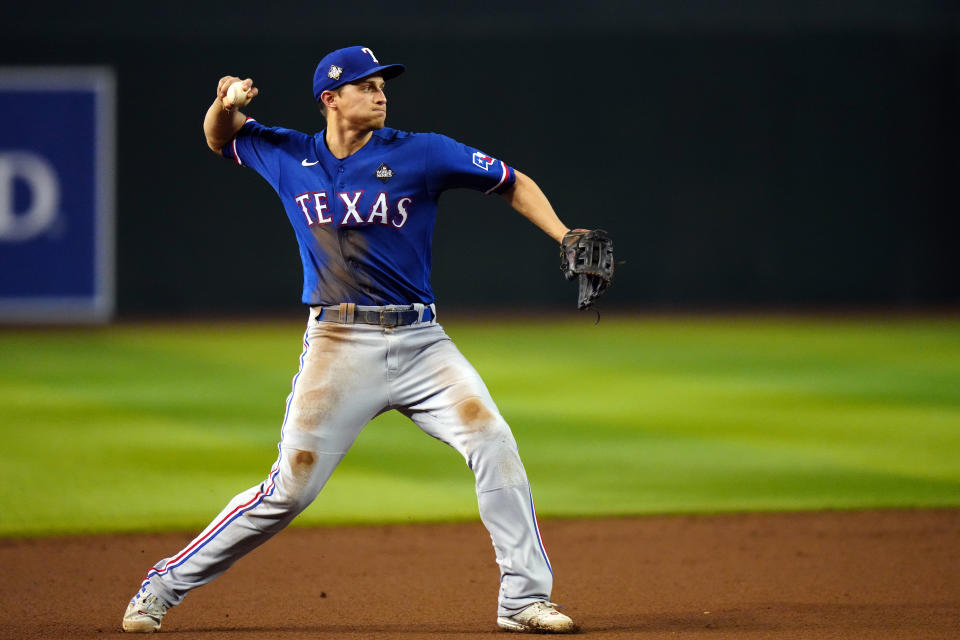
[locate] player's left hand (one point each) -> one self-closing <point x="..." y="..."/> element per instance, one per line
<point x="589" y="255"/>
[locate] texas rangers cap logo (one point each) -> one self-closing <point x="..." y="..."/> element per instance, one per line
<point x="383" y="172"/>
<point x="334" y="72"/>
<point x="482" y="160"/>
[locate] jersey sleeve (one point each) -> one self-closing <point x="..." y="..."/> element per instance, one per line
<point x="260" y="148"/>
<point x="451" y="164"/>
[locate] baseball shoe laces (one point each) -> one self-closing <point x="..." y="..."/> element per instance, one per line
<point x="144" y="613"/>
<point x="540" y="617"/>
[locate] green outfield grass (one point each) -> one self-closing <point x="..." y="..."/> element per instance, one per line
<point x="132" y="427"/>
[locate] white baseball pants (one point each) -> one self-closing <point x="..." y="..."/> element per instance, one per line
<point x="348" y="375"/>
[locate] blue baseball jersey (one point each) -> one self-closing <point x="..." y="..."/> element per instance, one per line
<point x="364" y="223"/>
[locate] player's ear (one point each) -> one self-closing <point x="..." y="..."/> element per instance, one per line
<point x="327" y="99"/>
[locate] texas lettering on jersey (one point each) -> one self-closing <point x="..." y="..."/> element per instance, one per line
<point x="348" y="213"/>
<point x="350" y="210"/>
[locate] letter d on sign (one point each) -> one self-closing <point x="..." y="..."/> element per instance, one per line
<point x="41" y="179"/>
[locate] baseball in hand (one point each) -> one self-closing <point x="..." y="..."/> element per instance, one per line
<point x="236" y="96"/>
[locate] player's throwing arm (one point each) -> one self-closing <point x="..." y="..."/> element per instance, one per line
<point x="224" y="118"/>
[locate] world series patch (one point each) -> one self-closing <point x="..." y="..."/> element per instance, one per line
<point x="383" y="172"/>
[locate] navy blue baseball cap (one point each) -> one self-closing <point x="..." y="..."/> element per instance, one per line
<point x="349" y="65"/>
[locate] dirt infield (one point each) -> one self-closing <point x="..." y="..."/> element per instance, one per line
<point x="872" y="574"/>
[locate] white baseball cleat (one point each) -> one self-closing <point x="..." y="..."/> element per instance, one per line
<point x="540" y="617"/>
<point x="144" y="613"/>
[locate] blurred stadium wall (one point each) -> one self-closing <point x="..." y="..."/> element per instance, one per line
<point x="755" y="154"/>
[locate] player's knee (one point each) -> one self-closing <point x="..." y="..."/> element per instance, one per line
<point x="480" y="422"/>
<point x="501" y="447"/>
<point x="298" y="483"/>
<point x="492" y="437"/>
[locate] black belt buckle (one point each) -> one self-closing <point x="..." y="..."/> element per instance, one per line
<point x="389" y="317"/>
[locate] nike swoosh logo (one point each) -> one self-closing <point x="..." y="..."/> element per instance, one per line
<point x="308" y="164"/>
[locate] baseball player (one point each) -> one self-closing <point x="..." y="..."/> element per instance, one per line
<point x="362" y="200"/>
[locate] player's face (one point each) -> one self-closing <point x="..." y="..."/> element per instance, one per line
<point x="363" y="104"/>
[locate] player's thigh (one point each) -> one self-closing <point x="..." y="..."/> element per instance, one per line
<point x="338" y="390"/>
<point x="449" y="400"/>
